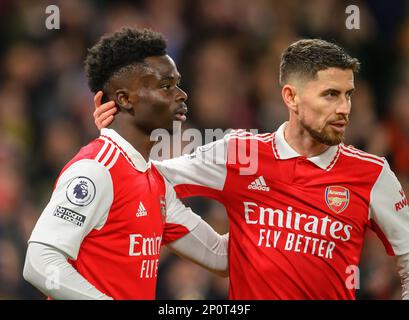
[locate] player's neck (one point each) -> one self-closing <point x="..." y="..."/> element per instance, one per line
<point x="301" y="141"/>
<point x="139" y="139"/>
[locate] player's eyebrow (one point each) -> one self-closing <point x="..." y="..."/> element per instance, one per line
<point x="336" y="91"/>
<point x="330" y="90"/>
<point x="171" y="78"/>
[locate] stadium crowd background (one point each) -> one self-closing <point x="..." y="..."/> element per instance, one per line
<point x="228" y="53"/>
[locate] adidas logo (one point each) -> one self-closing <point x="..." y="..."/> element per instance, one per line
<point x="259" y="184"/>
<point x="141" y="210"/>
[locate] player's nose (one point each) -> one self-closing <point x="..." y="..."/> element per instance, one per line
<point x="181" y="95"/>
<point x="344" y="107"/>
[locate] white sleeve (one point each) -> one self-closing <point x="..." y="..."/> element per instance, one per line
<point x="389" y="211"/>
<point x="205" y="247"/>
<point x="80" y="203"/>
<point x="180" y="219"/>
<point x="204" y="168"/>
<point x="403" y="269"/>
<point x="48" y="270"/>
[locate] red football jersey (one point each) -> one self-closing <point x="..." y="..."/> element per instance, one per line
<point x="110" y="212"/>
<point x="297" y="224"/>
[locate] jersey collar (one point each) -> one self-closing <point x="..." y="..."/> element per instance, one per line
<point x="283" y="151"/>
<point x="129" y="152"/>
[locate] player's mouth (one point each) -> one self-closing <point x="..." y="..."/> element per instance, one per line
<point x="339" y="126"/>
<point x="180" y="114"/>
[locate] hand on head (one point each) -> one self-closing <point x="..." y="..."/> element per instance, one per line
<point x="104" y="113"/>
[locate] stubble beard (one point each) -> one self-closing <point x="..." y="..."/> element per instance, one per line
<point x="327" y="138"/>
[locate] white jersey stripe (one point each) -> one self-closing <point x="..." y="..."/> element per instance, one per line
<point x="247" y="134"/>
<point x="361" y="153"/>
<point x="353" y="149"/>
<point x="334" y="161"/>
<point x="114" y="159"/>
<point x="274" y="146"/>
<point x="108" y="155"/>
<point x="238" y="134"/>
<point x="345" y="152"/>
<point x="125" y="156"/>
<point x="268" y="139"/>
<point x="101" y="152"/>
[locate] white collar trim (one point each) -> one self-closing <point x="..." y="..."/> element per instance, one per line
<point x="129" y="152"/>
<point x="282" y="150"/>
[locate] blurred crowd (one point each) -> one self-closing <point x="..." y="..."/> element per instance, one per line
<point x="228" y="53"/>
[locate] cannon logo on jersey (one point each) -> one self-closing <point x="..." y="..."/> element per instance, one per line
<point x="337" y="198"/>
<point x="81" y="191"/>
<point x="162" y="203"/>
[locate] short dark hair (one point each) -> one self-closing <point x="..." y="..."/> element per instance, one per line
<point x="308" y="56"/>
<point x="123" y="48"/>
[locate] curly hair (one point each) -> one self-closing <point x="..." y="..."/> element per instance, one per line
<point x="308" y="56"/>
<point x="120" y="49"/>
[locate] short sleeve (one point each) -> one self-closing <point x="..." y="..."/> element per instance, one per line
<point x="180" y="219"/>
<point x="389" y="212"/>
<point x="80" y="203"/>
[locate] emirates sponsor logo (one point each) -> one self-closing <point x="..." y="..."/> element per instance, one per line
<point x="148" y="249"/>
<point x="145" y="246"/>
<point x="288" y="230"/>
<point x="292" y="220"/>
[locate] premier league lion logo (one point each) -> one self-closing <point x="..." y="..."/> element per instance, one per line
<point x="81" y="190"/>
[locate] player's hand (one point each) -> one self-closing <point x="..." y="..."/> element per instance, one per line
<point x="103" y="114"/>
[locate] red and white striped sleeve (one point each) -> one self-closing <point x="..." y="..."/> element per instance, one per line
<point x="80" y="202"/>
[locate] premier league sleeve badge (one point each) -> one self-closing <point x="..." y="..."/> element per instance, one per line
<point x="81" y="191"/>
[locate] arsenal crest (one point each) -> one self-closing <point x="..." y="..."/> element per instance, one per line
<point x="337" y="198"/>
<point x="162" y="202"/>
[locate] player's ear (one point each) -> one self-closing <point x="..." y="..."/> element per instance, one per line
<point x="289" y="94"/>
<point x="122" y="99"/>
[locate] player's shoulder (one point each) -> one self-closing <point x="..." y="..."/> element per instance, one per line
<point x="243" y="134"/>
<point x="95" y="156"/>
<point x="91" y="150"/>
<point x="362" y="158"/>
<point x="156" y="172"/>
